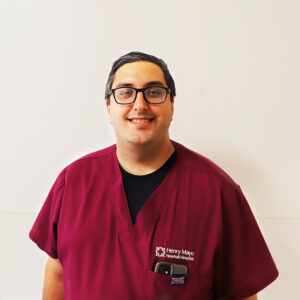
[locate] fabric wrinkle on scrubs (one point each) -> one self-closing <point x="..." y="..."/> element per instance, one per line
<point x="197" y="216"/>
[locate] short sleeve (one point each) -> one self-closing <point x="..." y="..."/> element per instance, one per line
<point x="243" y="262"/>
<point x="44" y="229"/>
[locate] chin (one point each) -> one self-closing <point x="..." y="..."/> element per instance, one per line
<point x="140" y="141"/>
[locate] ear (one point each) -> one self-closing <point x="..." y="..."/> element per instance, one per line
<point x="108" y="110"/>
<point x="172" y="103"/>
<point x="107" y="105"/>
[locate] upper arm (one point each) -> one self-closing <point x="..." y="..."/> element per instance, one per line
<point x="54" y="268"/>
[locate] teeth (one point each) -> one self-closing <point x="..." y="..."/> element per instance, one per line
<point x="140" y="120"/>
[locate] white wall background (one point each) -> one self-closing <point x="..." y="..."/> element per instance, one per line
<point x="236" y="66"/>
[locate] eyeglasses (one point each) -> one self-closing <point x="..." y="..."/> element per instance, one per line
<point x="153" y="94"/>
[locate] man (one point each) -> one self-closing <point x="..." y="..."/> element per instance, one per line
<point x="148" y="218"/>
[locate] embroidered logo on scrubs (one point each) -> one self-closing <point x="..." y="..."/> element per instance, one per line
<point x="160" y="251"/>
<point x="174" y="253"/>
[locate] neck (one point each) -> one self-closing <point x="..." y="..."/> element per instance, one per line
<point x="144" y="159"/>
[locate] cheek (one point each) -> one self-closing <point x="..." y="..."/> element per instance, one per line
<point x="169" y="114"/>
<point x="165" y="117"/>
<point x="116" y="116"/>
<point x="110" y="117"/>
<point x="113" y="119"/>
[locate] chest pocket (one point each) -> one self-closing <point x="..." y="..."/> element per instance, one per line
<point x="197" y="287"/>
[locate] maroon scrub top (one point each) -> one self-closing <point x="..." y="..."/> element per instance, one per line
<point x="198" y="216"/>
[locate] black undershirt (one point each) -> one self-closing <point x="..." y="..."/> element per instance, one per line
<point x="139" y="188"/>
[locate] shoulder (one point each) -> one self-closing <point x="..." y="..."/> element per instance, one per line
<point x="97" y="159"/>
<point x="198" y="163"/>
<point x="99" y="154"/>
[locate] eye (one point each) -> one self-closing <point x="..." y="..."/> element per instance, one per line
<point x="155" y="92"/>
<point x="124" y="92"/>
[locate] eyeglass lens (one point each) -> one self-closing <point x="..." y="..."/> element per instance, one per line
<point x="152" y="94"/>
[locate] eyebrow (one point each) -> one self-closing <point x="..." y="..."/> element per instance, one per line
<point x="151" y="83"/>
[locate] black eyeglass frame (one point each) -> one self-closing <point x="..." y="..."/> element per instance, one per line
<point x="168" y="90"/>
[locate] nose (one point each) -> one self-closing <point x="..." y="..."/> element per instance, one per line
<point x="140" y="103"/>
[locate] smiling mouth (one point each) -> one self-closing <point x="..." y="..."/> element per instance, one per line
<point x="141" y="120"/>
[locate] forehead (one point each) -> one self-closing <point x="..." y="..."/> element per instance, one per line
<point x="139" y="73"/>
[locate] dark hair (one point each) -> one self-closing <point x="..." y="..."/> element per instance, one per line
<point x="139" y="56"/>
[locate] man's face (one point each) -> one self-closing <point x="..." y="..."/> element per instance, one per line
<point x="140" y="123"/>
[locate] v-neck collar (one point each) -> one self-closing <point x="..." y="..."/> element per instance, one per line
<point x="153" y="208"/>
